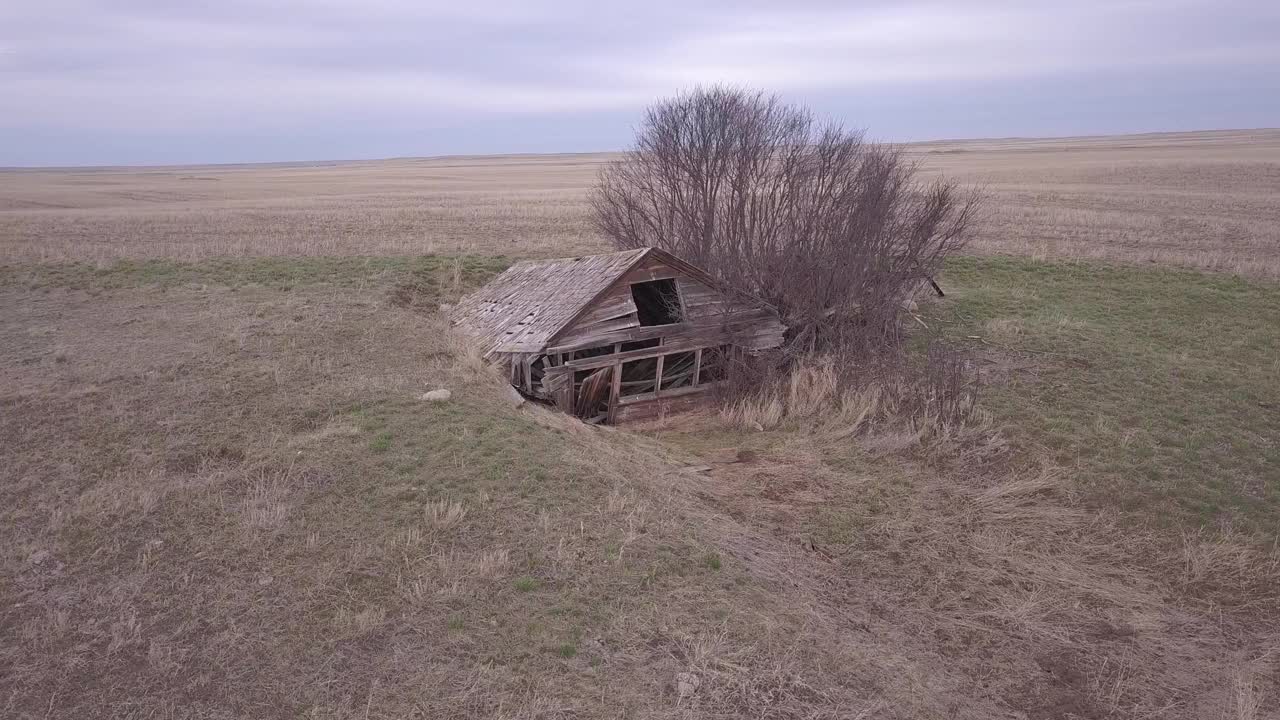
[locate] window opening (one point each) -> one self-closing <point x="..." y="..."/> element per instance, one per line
<point x="657" y="302"/>
<point x="677" y="370"/>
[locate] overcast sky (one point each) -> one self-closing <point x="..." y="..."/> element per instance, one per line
<point x="165" y="81"/>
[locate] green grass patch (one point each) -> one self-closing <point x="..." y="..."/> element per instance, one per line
<point x="381" y="442"/>
<point x="526" y="584"/>
<point x="1161" y="388"/>
<point x="838" y="526"/>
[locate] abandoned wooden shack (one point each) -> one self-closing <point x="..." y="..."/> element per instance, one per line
<point x="617" y="337"/>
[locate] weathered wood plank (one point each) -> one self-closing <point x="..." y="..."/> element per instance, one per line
<point x="525" y="306"/>
<point x="694" y="292"/>
<point x="602" y="328"/>
<point x="553" y="382"/>
<point x="630" y="355"/>
<point x="649" y="274"/>
<point x="646" y="397"/>
<point x="653" y="408"/>
<point x="615" y="392"/>
<point x="608" y="309"/>
<point x="747" y="324"/>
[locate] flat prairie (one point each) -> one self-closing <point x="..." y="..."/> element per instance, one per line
<point x="1206" y="200"/>
<point x="223" y="493"/>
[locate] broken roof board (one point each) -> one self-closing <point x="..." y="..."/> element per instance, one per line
<point x="526" y="307"/>
<point x="521" y="309"/>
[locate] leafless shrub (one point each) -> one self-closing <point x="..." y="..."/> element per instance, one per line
<point x="835" y="231"/>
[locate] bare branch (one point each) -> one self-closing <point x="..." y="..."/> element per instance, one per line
<point x="834" y="231"/>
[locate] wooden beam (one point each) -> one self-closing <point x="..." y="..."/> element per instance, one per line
<point x="564" y="397"/>
<point x="653" y="408"/>
<point x="657" y="380"/>
<point x="666" y="394"/>
<point x="600" y="361"/>
<point x="615" y="391"/>
<point x="748" y="324"/>
<point x="528" y="373"/>
<point x="697" y="366"/>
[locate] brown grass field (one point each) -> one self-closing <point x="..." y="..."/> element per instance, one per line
<point x="1204" y="200"/>
<point x="221" y="497"/>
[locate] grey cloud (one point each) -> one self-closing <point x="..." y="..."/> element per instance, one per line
<point x="360" y="77"/>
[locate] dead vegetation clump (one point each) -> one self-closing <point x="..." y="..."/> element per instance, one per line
<point x="929" y="403"/>
<point x="444" y="514"/>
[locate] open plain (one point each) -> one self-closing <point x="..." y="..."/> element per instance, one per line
<point x="1202" y="200"/>
<point x="221" y="495"/>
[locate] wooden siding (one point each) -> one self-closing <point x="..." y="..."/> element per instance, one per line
<point x="709" y="315"/>
<point x="655" y="408"/>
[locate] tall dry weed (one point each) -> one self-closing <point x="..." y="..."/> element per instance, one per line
<point x="931" y="406"/>
<point x="444" y="514"/>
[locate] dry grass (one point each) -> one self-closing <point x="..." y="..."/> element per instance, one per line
<point x="220" y="496"/>
<point x="226" y="498"/>
<point x="507" y="206"/>
<point x="226" y="501"/>
<point x="1205" y="200"/>
<point x="444" y="514"/>
<point x="1157" y="387"/>
<point x="813" y="399"/>
<point x="1058" y="610"/>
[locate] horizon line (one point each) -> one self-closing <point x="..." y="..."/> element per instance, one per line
<point x="284" y="164"/>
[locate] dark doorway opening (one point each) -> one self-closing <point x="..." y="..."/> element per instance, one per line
<point x="657" y="302"/>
